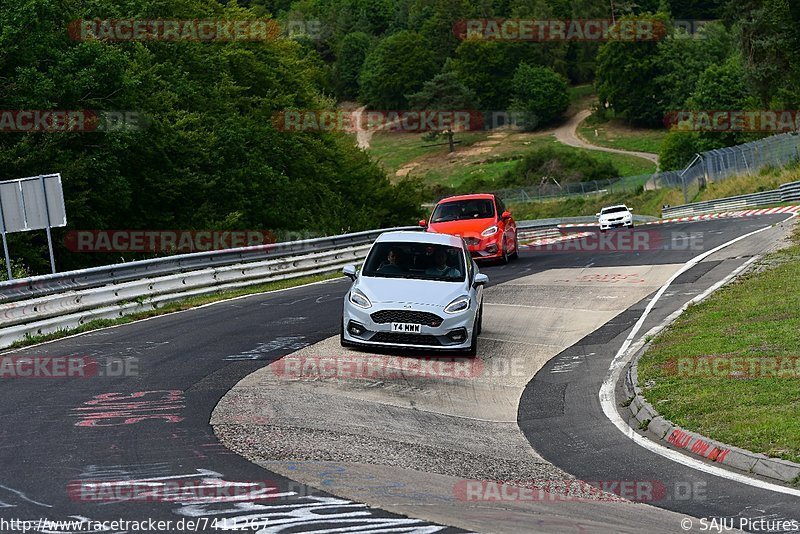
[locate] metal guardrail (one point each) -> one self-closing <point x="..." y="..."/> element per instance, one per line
<point x="786" y="193"/>
<point x="36" y="286"/>
<point x="45" y="304"/>
<point x="545" y="223"/>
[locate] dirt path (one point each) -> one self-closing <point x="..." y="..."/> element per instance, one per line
<point x="568" y="135"/>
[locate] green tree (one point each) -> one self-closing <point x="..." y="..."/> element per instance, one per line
<point x="539" y="94"/>
<point x="678" y="149"/>
<point x="445" y="92"/>
<point x="350" y="56"/>
<point x="398" y="66"/>
<point x="487" y="68"/>
<point x="682" y="59"/>
<point x="212" y="155"/>
<point x="767" y="34"/>
<point x="720" y="87"/>
<point x="627" y="73"/>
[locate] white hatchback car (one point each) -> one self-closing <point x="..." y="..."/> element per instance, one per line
<point x="615" y="217"/>
<point x="416" y="290"/>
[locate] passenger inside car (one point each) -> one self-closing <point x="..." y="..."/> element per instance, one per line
<point x="392" y="264"/>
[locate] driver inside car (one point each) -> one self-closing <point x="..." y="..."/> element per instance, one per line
<point x="440" y="267"/>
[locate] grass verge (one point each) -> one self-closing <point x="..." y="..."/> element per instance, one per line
<point x="615" y="134"/>
<point x="190" y="302"/>
<point x="754" y="317"/>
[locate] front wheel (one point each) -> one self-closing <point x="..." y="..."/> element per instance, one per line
<point x="504" y="259"/>
<point x="472" y="351"/>
<point x="515" y="255"/>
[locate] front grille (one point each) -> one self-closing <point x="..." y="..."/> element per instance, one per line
<point x="406" y="316"/>
<point x="405" y="339"/>
<point x="472" y="241"/>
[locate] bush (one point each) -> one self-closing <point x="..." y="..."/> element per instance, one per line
<point x="539" y="95"/>
<point x="678" y="149"/>
<point x="563" y="165"/>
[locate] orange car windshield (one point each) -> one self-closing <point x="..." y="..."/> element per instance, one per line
<point x="479" y="208"/>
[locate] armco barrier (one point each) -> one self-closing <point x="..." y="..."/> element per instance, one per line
<point x="45" y="304"/>
<point x="786" y="193"/>
<point x="70" y="309"/>
<point x="37" y="286"/>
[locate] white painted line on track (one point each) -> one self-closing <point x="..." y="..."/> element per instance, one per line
<point x="624" y="355"/>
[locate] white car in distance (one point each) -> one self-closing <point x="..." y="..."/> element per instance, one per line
<point x="619" y="216"/>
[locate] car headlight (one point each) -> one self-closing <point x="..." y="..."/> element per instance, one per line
<point x="489" y="231"/>
<point x="359" y="299"/>
<point x="457" y="306"/>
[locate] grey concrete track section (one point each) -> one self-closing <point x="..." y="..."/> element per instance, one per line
<point x="407" y="444"/>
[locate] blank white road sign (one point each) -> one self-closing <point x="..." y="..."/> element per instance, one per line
<point x="26" y="204"/>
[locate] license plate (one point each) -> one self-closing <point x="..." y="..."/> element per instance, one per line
<point x="407" y="328"/>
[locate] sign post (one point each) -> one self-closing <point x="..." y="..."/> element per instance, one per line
<point x="5" y="242"/>
<point x="35" y="203"/>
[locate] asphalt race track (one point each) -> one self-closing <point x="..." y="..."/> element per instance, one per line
<point x="151" y="423"/>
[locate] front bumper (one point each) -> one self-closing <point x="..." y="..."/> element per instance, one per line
<point x="379" y="334"/>
<point x="485" y="249"/>
<point x="618" y="223"/>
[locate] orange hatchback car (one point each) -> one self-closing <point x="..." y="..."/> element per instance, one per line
<point x="482" y="220"/>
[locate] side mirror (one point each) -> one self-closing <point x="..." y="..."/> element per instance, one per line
<point x="597" y="215"/>
<point x="350" y="272"/>
<point x="480" y="279"/>
<point x="423" y="223"/>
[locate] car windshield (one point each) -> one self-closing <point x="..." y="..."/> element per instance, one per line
<point x="419" y="261"/>
<point x="614" y="210"/>
<point x="477" y="208"/>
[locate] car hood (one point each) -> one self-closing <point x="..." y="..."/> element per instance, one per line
<point x="405" y="291"/>
<point x="463" y="228"/>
